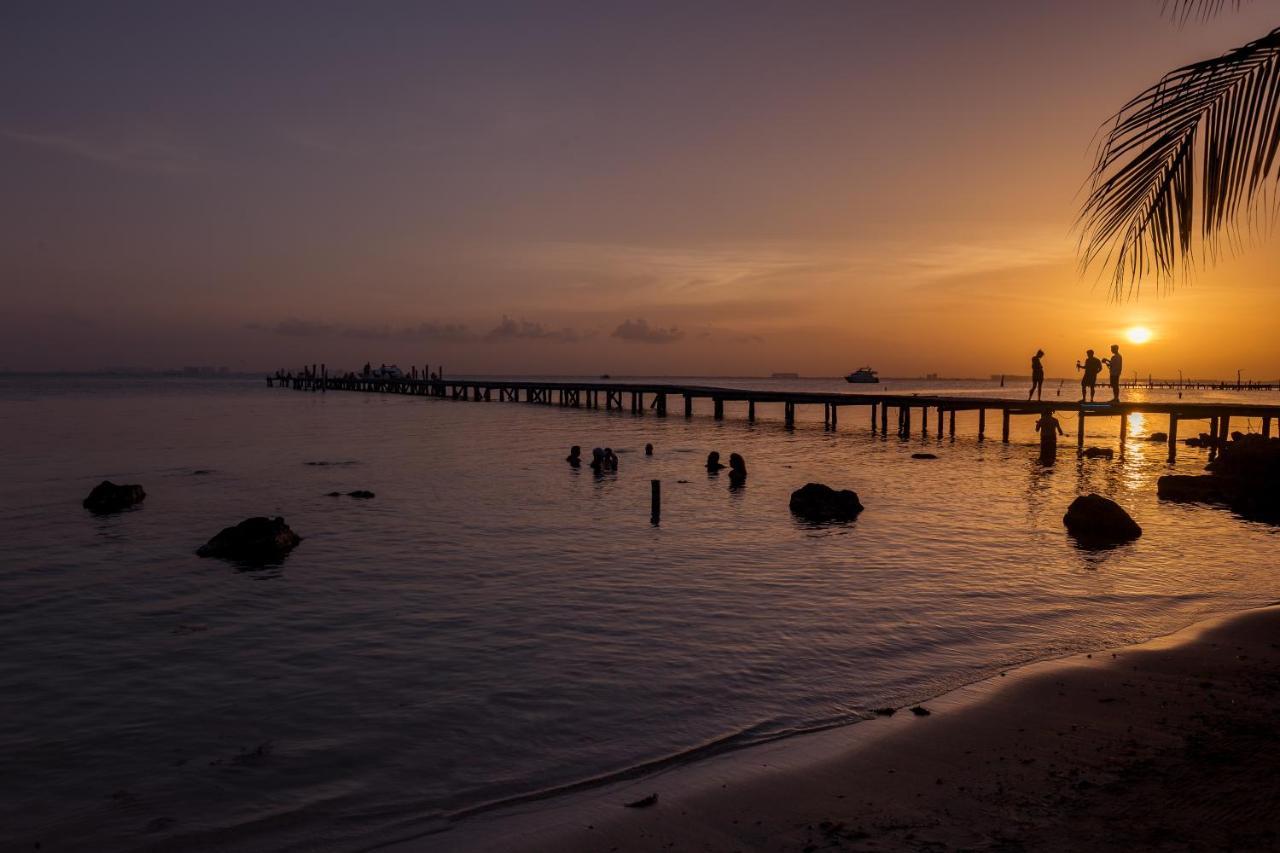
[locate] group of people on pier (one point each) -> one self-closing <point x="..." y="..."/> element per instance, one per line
<point x="1092" y="367"/>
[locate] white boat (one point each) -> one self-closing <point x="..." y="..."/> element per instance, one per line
<point x="863" y="375"/>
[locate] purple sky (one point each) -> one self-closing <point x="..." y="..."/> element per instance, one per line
<point x="677" y="188"/>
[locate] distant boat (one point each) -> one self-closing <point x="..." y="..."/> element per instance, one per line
<point x="863" y="375"/>
<point x="605" y="376"/>
<point x="785" y="376"/>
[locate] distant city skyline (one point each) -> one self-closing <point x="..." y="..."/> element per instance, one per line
<point x="718" y="190"/>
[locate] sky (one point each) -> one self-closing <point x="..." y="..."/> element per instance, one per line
<point x="582" y="188"/>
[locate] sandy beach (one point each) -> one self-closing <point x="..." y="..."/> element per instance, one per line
<point x="1168" y="745"/>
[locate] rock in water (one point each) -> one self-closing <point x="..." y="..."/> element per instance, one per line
<point x="1193" y="489"/>
<point x="924" y="456"/>
<point x="1099" y="521"/>
<point x="109" y="497"/>
<point x="1158" y="437"/>
<point x="818" y="502"/>
<point x="1099" y="453"/>
<point x="363" y="494"/>
<point x="255" y="540"/>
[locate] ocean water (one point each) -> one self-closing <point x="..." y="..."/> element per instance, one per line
<point x="494" y="624"/>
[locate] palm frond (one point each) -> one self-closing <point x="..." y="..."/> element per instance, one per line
<point x="1185" y="10"/>
<point x="1224" y="113"/>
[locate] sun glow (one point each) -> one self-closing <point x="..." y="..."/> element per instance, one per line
<point x="1138" y="334"/>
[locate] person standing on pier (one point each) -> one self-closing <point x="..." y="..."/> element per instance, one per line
<point x="1091" y="367"/>
<point x="1037" y="375"/>
<point x="1115" y="365"/>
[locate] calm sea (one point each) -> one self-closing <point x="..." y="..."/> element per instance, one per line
<point x="494" y="623"/>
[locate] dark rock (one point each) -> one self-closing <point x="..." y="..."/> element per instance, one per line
<point x="1099" y="453"/>
<point x="924" y="456"/>
<point x="885" y="712"/>
<point x="362" y="494"/>
<point x="1158" y="437"/>
<point x="1192" y="489"/>
<point x="1248" y="473"/>
<point x="254" y="540"/>
<point x="643" y="802"/>
<point x="110" y="497"/>
<point x="200" y="472"/>
<point x="921" y="711"/>
<point x="1099" y="521"/>
<point x="818" y="502"/>
<point x="333" y="494"/>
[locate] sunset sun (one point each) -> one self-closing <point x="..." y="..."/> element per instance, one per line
<point x="1138" y="334"/>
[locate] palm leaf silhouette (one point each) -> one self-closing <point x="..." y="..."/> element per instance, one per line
<point x="1184" y="10"/>
<point x="1139" y="217"/>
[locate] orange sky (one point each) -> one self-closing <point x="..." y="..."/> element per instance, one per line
<point x="678" y="191"/>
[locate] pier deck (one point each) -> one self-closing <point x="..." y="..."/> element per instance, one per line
<point x="640" y="398"/>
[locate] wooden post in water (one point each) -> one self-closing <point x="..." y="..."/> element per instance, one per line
<point x="873" y="418"/>
<point x="751" y="411"/>
<point x="655" y="501"/>
<point x="1124" y="433"/>
<point x="1226" y="430"/>
<point x="1004" y="427"/>
<point x="951" y="427"/>
<point x="1173" y="437"/>
<point x="688" y="405"/>
<point x="1213" y="432"/>
<point x="719" y="409"/>
<point x="835" y="415"/>
<point x="982" y="424"/>
<point x="884" y="417"/>
<point x="906" y="421"/>
<point x="924" y="421"/>
<point x="1080" y="431"/>
<point x="939" y="422"/>
<point x="789" y="414"/>
<point x="1266" y="426"/>
<point x="662" y="405"/>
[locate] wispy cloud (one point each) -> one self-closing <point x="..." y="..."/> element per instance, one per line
<point x="134" y="153"/>
<point x="452" y="332"/>
<point x="510" y="329"/>
<point x="641" y="331"/>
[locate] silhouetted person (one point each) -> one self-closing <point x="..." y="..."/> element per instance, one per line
<point x="648" y="450"/>
<point x="1049" y="429"/>
<point x="1116" y="366"/>
<point x="597" y="459"/>
<point x="1091" y="367"/>
<point x="610" y="459"/>
<point x="713" y="462"/>
<point x="737" y="470"/>
<point x="1037" y="375"/>
<point x="575" y="456"/>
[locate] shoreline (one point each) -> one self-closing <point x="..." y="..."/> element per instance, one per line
<point x="1170" y="743"/>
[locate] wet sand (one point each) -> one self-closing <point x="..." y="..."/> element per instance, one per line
<point x="1169" y="745"/>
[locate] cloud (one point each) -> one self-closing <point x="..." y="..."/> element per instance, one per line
<point x="295" y="328"/>
<point x="137" y="153"/>
<point x="510" y="329"/>
<point x="640" y="330"/>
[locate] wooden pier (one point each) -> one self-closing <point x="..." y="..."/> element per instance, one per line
<point x="884" y="413"/>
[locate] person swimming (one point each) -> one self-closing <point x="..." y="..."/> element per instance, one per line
<point x="610" y="459"/>
<point x="597" y="459"/>
<point x="737" y="470"/>
<point x="1049" y="428"/>
<point x="575" y="456"/>
<point x="713" y="462"/>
